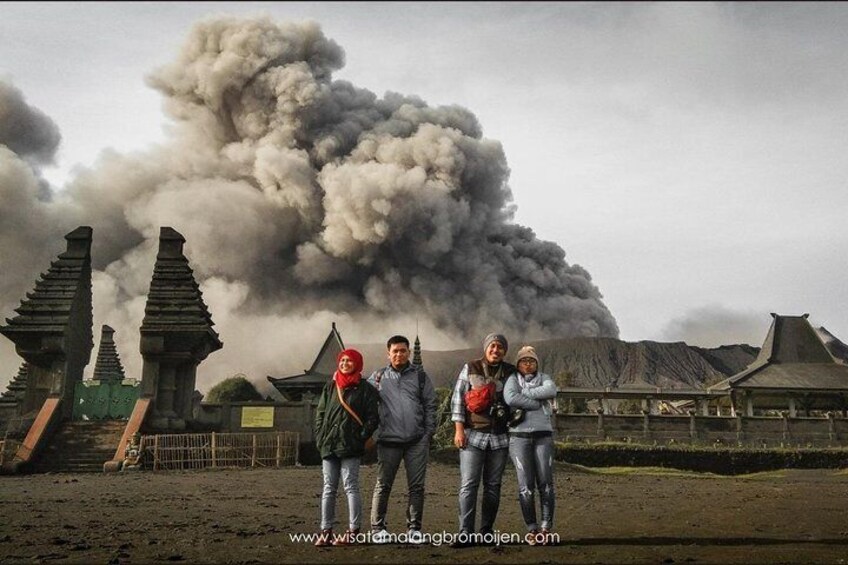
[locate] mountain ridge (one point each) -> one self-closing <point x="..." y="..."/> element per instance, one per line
<point x="600" y="362"/>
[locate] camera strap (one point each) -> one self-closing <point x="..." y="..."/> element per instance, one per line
<point x="498" y="374"/>
<point x="347" y="407"/>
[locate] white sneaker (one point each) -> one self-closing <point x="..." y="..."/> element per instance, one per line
<point x="380" y="536"/>
<point x="414" y="537"/>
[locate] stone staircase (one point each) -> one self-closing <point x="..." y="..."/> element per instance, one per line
<point x="81" y="447"/>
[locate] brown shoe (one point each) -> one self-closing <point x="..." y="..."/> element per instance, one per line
<point x="547" y="537"/>
<point x="532" y="537"/>
<point x="325" y="539"/>
<point x="347" y="538"/>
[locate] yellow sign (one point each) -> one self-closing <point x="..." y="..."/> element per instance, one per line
<point x="257" y="417"/>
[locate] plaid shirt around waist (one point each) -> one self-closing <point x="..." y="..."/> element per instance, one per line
<point x="486" y="440"/>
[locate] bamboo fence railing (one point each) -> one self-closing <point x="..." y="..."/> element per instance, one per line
<point x="200" y="451"/>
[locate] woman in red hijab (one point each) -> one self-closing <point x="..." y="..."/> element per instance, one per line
<point x="346" y="416"/>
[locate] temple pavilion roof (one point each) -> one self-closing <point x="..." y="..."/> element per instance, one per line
<point x="321" y="370"/>
<point x="793" y="358"/>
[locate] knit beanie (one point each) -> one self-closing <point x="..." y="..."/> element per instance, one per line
<point x="495" y="337"/>
<point x="525" y="352"/>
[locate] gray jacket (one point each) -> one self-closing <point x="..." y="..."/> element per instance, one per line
<point x="535" y="395"/>
<point x="407" y="413"/>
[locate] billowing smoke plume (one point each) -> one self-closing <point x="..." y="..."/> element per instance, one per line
<point x="28" y="140"/>
<point x="714" y="325"/>
<point x="303" y="200"/>
<point x="25" y="130"/>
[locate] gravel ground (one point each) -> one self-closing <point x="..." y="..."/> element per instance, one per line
<point x="248" y="515"/>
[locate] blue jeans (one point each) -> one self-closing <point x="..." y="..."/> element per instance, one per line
<point x="414" y="457"/>
<point x="476" y="464"/>
<point x="533" y="461"/>
<point x="349" y="470"/>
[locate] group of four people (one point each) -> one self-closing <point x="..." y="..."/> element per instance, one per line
<point x="498" y="410"/>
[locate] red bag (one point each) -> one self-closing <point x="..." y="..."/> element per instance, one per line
<point x="478" y="400"/>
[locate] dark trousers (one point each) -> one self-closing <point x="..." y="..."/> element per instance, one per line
<point x="389" y="457"/>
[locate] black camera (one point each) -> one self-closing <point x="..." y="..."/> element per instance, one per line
<point x="499" y="412"/>
<point x="516" y="417"/>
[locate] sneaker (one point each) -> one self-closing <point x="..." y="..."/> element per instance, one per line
<point x="462" y="540"/>
<point x="347" y="538"/>
<point x="380" y="536"/>
<point x="414" y="537"/>
<point x="325" y="538"/>
<point x="532" y="537"/>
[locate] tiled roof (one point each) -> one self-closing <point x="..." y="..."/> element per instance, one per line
<point x="61" y="293"/>
<point x="175" y="301"/>
<point x="322" y="368"/>
<point x="793" y="357"/>
<point x="17" y="386"/>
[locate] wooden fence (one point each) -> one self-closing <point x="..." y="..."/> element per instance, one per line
<point x="201" y="451"/>
<point x="751" y="431"/>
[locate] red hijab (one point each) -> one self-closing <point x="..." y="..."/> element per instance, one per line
<point x="352" y="379"/>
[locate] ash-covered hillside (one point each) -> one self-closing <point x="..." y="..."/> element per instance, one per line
<point x="607" y="362"/>
<point x="602" y="362"/>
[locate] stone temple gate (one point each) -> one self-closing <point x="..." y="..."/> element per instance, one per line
<point x="176" y="335"/>
<point x="52" y="332"/>
<point x="53" y="328"/>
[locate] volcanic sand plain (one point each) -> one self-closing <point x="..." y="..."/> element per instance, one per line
<point x="248" y="515"/>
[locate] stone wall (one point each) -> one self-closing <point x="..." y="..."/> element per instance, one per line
<point x="12" y="424"/>
<point x="287" y="416"/>
<point x="227" y="417"/>
<point x="648" y="429"/>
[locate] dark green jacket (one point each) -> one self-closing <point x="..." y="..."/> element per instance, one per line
<point x="336" y="432"/>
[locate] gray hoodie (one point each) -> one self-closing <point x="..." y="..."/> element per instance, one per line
<point x="535" y="394"/>
<point x="406" y="413"/>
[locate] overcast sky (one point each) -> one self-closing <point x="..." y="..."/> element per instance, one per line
<point x="691" y="157"/>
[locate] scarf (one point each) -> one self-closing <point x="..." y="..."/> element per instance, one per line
<point x="532" y="380"/>
<point x="351" y="379"/>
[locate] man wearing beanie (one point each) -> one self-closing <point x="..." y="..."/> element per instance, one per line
<point x="479" y="415"/>
<point x="531" y="443"/>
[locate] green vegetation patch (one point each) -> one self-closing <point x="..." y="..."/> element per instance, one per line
<point x="233" y="389"/>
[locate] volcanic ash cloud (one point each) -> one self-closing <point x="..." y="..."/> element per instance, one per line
<point x="302" y="198"/>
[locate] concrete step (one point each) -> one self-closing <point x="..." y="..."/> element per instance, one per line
<point x="72" y="467"/>
<point x="72" y="457"/>
<point x="81" y="446"/>
<point x="86" y="446"/>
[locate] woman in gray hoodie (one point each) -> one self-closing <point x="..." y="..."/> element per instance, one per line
<point x="531" y="442"/>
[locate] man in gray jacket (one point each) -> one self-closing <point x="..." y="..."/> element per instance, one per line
<point x="407" y="424"/>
